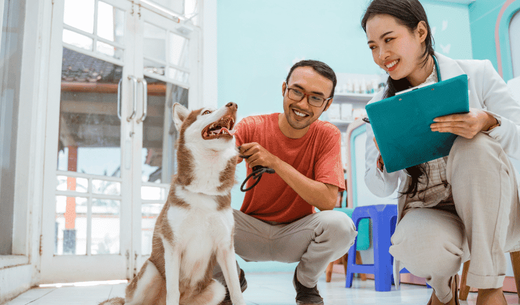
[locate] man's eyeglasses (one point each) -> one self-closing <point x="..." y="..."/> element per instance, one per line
<point x="313" y="99"/>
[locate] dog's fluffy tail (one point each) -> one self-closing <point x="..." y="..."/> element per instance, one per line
<point x="212" y="295"/>
<point x="114" y="301"/>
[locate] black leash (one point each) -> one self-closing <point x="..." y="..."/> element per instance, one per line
<point x="256" y="174"/>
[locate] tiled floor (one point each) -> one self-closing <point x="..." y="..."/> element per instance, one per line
<point x="263" y="288"/>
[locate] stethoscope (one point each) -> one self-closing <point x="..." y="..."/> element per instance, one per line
<point x="437" y="68"/>
<point x="257" y="173"/>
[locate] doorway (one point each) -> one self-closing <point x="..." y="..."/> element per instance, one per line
<point x="110" y="153"/>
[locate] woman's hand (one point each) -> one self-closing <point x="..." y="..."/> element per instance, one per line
<point x="380" y="163"/>
<point x="375" y="142"/>
<point x="466" y="125"/>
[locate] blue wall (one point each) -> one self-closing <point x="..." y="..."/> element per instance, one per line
<point x="483" y="18"/>
<point x="259" y="40"/>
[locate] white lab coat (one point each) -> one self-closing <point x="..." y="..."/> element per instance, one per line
<point x="487" y="91"/>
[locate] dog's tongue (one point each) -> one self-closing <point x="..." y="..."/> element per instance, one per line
<point x="232" y="132"/>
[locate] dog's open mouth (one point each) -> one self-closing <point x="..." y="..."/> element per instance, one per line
<point x="220" y="129"/>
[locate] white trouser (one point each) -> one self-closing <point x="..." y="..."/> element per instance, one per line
<point x="484" y="224"/>
<point x="314" y="241"/>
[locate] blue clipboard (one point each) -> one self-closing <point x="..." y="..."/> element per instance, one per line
<point x="401" y="123"/>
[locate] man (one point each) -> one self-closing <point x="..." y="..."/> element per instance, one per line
<point x="277" y="220"/>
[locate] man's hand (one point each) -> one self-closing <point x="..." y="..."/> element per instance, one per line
<point x="466" y="125"/>
<point x="321" y="195"/>
<point x="255" y="155"/>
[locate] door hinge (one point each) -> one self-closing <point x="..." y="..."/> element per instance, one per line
<point x="135" y="264"/>
<point x="41" y="244"/>
<point x="127" y="254"/>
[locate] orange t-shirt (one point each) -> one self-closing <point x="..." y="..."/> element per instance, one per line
<point x="317" y="155"/>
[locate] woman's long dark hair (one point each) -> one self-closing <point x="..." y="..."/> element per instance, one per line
<point x="408" y="13"/>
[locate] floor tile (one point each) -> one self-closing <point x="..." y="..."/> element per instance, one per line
<point x="263" y="288"/>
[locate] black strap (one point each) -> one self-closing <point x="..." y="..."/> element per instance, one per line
<point x="256" y="174"/>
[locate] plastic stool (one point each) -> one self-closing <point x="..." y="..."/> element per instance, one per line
<point x="384" y="217"/>
<point x="363" y="237"/>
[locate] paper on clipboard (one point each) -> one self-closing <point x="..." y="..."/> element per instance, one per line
<point x="412" y="89"/>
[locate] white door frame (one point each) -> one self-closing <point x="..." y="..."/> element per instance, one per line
<point x="514" y="30"/>
<point x="73" y="268"/>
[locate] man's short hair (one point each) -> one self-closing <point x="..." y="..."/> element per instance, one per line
<point x="320" y="67"/>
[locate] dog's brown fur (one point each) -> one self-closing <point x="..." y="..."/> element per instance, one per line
<point x="149" y="287"/>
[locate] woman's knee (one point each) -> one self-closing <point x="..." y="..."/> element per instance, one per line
<point x="427" y="249"/>
<point x="478" y="149"/>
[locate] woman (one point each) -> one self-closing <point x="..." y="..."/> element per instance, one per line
<point x="464" y="205"/>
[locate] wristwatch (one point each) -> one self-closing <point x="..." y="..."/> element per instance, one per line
<point x="494" y="126"/>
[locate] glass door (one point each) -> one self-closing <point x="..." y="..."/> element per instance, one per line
<point x="87" y="208"/>
<point x="122" y="67"/>
<point x="164" y="60"/>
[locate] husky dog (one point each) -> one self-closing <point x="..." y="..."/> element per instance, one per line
<point x="195" y="228"/>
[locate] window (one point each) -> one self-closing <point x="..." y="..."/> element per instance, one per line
<point x="514" y="35"/>
<point x="11" y="42"/>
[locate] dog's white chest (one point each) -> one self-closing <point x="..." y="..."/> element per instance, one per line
<point x="198" y="230"/>
<point x="198" y="224"/>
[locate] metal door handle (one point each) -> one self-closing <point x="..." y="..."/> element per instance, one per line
<point x="119" y="98"/>
<point x="134" y="98"/>
<point x="145" y="100"/>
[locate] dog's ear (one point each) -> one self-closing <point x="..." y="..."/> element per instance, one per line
<point x="180" y="113"/>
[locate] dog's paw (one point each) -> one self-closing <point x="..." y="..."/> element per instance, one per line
<point x="172" y="301"/>
<point x="114" y="301"/>
<point x="238" y="300"/>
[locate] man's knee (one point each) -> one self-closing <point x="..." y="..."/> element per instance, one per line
<point x="340" y="227"/>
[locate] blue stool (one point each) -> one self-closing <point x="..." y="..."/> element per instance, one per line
<point x="384" y="218"/>
<point x="363" y="229"/>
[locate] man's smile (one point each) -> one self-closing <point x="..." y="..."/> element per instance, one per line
<point x="299" y="113"/>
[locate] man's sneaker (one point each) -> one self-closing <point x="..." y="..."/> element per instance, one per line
<point x="306" y="296"/>
<point x="243" y="287"/>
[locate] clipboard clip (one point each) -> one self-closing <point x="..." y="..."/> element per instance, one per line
<point x="366" y="120"/>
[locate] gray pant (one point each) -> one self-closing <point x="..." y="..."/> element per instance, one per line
<point x="313" y="241"/>
<point x="483" y="224"/>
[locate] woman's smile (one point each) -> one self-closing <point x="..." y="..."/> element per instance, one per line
<point x="391" y="65"/>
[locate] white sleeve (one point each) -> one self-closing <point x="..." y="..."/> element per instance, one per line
<point x="380" y="183"/>
<point x="500" y="103"/>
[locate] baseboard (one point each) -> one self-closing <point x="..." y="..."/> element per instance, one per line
<point x="14" y="281"/>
